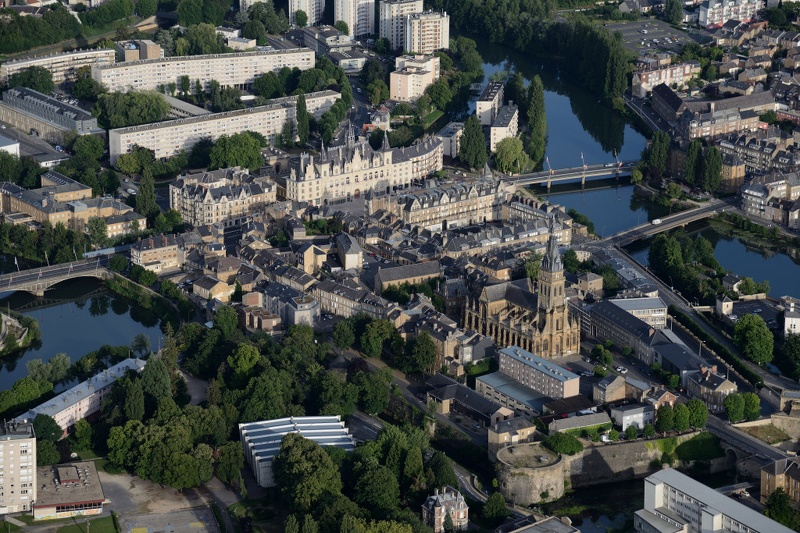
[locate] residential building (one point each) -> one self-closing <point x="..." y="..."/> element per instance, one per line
<point x="292" y="306"/>
<point x="350" y="254"/>
<point x="170" y="137"/>
<point x="392" y="22"/>
<point x="62" y="66"/>
<point x="139" y="49"/>
<point x="18" y="470"/>
<point x="212" y="288"/>
<point x="781" y="474"/>
<point x="676" y="502"/>
<point x="262" y="440"/>
<point x="326" y="39"/>
<point x="667" y="103"/>
<point x="412" y="274"/>
<point x="31" y="111"/>
<point x="158" y="253"/>
<point x="710" y="387"/>
<point x="715" y="13"/>
<point x="636" y="415"/>
<point x="716" y="123"/>
<point x="84" y="399"/>
<point x="610" y="389"/>
<point x="505" y="125"/>
<point x="450" y="396"/>
<point x="347" y="171"/>
<point x="791" y="316"/>
<point x="514" y="315"/>
<point x="758" y="195"/>
<point x="227" y="196"/>
<point x="450" y="136"/>
<point x="348" y="298"/>
<point x="609" y="321"/>
<point x="359" y="15"/>
<point x="9" y="146"/>
<point x="509" y="432"/>
<point x="539" y="374"/>
<point x="68" y="490"/>
<point x="523" y="400"/>
<point x="312" y="8"/>
<point x="646" y="79"/>
<point x="449" y="502"/>
<point x="427" y="32"/>
<point x="763" y="151"/>
<point x="412" y="75"/>
<point x="230" y="70"/>
<point x="652" y="311"/>
<point x="488" y="105"/>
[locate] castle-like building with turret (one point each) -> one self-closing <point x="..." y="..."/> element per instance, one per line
<point x="355" y="168"/>
<point x="513" y="314"/>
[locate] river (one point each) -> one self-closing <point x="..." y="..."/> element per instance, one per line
<point x="81" y="317"/>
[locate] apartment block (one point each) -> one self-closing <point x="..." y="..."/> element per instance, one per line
<point x="359" y="15"/>
<point x="427" y="32"/>
<point x="539" y="374"/>
<point x="717" y="123"/>
<point x="138" y="50"/>
<point x="392" y="20"/>
<point x="715" y="13"/>
<point x="645" y="80"/>
<point x="636" y="415"/>
<point x="62" y="66"/>
<point x="230" y="70"/>
<point x="652" y="311"/>
<point x="505" y="125"/>
<point x="450" y="136"/>
<point x="18" y="467"/>
<point x="312" y="8"/>
<point x="676" y="502"/>
<point x="488" y="105"/>
<point x="412" y="75"/>
<point x="168" y="138"/>
<point x="326" y="39"/>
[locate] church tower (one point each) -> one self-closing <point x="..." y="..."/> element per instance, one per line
<point x="551" y="277"/>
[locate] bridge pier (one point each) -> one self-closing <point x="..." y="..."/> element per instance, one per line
<point x="583" y="180"/>
<point x="39" y="293"/>
<point x="549" y="183"/>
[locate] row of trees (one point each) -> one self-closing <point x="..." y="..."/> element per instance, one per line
<point x="120" y="110"/>
<point x="745" y="406"/>
<point x="19" y="33"/>
<point x="689" y="263"/>
<point x="681" y="417"/>
<point x="108" y="13"/>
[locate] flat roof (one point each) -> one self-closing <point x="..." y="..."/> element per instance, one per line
<point x="5" y="141"/>
<point x="68" y="483"/>
<point x="514" y="389"/>
<point x="263" y="439"/>
<point x="59" y="107"/>
<point x="490" y="91"/>
<point x="505" y="115"/>
<point x="639" y="304"/>
<point x="205" y="57"/>
<point x="542" y="365"/>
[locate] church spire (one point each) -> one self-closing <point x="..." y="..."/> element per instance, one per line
<point x="385" y="147"/>
<point x="552" y="257"/>
<point x="487" y="173"/>
<point x="322" y="150"/>
<point x="351" y="139"/>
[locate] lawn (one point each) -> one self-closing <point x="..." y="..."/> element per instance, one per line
<point x="702" y="447"/>
<point x="767" y="433"/>
<point x="104" y="524"/>
<point x="431" y="117"/>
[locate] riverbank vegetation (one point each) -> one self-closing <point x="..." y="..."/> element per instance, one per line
<point x="33" y="335"/>
<point x="146" y="299"/>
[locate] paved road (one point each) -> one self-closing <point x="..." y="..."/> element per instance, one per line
<point x="742" y="440"/>
<point x="63" y="270"/>
<point x="679" y="219"/>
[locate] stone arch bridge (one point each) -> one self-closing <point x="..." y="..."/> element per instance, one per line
<point x="38" y="280"/>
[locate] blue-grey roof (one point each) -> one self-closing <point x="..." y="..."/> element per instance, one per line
<point x="514" y="390"/>
<point x="542" y="365"/>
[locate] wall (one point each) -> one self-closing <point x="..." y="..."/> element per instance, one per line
<point x="789" y="424"/>
<point x="525" y="486"/>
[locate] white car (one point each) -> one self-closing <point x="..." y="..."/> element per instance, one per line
<point x="622" y="370"/>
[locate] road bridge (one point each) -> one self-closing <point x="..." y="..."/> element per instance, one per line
<point x="38" y="280"/>
<point x="549" y="177"/>
<point x="667" y="223"/>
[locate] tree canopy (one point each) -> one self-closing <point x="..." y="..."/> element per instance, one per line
<point x="752" y="335"/>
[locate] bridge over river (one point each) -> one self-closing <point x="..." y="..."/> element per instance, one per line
<point x="38" y="280"/>
<point x="549" y="177"/>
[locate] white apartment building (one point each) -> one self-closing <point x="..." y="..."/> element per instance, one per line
<point x="427" y="32"/>
<point x="359" y="15"/>
<point x="653" y="311"/>
<point x="61" y="66"/>
<point x="17" y="467"/>
<point x="715" y="13"/>
<point x="450" y="136"/>
<point x="539" y="374"/>
<point x="312" y="8"/>
<point x="412" y="75"/>
<point x="392" y="21"/>
<point x="230" y="70"/>
<point x="489" y="103"/>
<point x="168" y="138"/>
<point x="505" y="125"/>
<point x="677" y="503"/>
<point x="84" y="399"/>
<point x="644" y="81"/>
<point x="636" y="415"/>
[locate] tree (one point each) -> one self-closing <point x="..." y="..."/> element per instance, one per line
<point x="88" y="148"/>
<point x="510" y="156"/>
<point x="377" y="489"/>
<point x="146" y="8"/>
<point x="83" y="435"/>
<point x="472" y="151"/>
<point x="649" y="431"/>
<point x="563" y="443"/>
<point x="752" y="335"/>
<point x="291" y="525"/>
<point x="237" y="150"/>
<point x="344" y="335"/>
<point x="98" y="232"/>
<point x="36" y="78"/>
<point x="303" y="120"/>
<point x="447" y="523"/>
<point x="423" y="353"/>
<point x="779" y="508"/>
<point x="752" y="406"/>
<point x="631" y="433"/>
<point x="440" y="94"/>
<point x="378" y="92"/>
<point x="255" y="29"/>
<point x="342" y="27"/>
<point x="118" y="110"/>
<point x="698" y="413"/>
<point x="190" y="12"/>
<point x="658" y="152"/>
<point x="156" y="384"/>
<point x="734" y="407"/>
<point x="537" y="120"/>
<point x="636" y="176"/>
<point x="133" y="405"/>
<point x="146" y="198"/>
<point x="243" y="359"/>
<point x="230" y="462"/>
<point x="226" y="321"/>
<point x="304" y="472"/>
<point x="301" y="18"/>
<point x="46" y="428"/>
<point x="712" y="169"/>
<point x="665" y="418"/>
<point x="495" y="508"/>
<point x="46" y="453"/>
<point x="681" y="417"/>
<point x="141" y="344"/>
<point x="673" y="9"/>
<point x="693" y="162"/>
<point x="441" y="468"/>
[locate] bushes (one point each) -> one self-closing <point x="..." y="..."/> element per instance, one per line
<point x="563" y="443"/>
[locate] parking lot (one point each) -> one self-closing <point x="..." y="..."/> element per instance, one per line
<point x="660" y="36"/>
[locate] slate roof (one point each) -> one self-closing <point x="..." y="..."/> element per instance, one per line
<point x="428" y="268"/>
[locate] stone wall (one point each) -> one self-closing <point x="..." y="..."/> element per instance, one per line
<point x="530" y="485"/>
<point x="789" y="424"/>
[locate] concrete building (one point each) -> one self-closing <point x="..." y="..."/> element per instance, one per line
<point x="412" y="75"/>
<point x="448" y="502"/>
<point x="359" y="15"/>
<point x="240" y="44"/>
<point x="425" y="33"/>
<point x="18" y="470"/>
<point x="230" y="70"/>
<point x="646" y="79"/>
<point x="505" y="125"/>
<point x="9" y="146"/>
<point x="677" y="503"/>
<point x="262" y="440"/>
<point x="350" y="170"/>
<point x="506" y="391"/>
<point x="715" y="13"/>
<point x="137" y="50"/>
<point x="636" y="415"/>
<point x="312" y="8"/>
<point x="450" y="136"/>
<point x="488" y="105"/>
<point x="292" y="306"/>
<point x="68" y="490"/>
<point x="539" y="374"/>
<point x="168" y="138"/>
<point x="84" y="399"/>
<point x="326" y="39"/>
<point x="652" y="311"/>
<point x="392" y="21"/>
<point x="62" y="66"/>
<point x="35" y="113"/>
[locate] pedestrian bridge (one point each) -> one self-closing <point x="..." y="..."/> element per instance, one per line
<point x="38" y="280"/>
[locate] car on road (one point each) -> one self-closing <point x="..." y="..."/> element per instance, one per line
<point x="131" y="191"/>
<point x="587" y="374"/>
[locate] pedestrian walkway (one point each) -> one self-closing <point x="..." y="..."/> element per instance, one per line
<point x="14" y="522"/>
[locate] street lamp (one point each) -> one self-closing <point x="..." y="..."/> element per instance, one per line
<point x="700" y="349"/>
<point x="672" y="284"/>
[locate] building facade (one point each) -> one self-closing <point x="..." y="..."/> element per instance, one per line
<point x="489" y="103"/>
<point x="230" y="70"/>
<point x="62" y="66"/>
<point x="505" y="125"/>
<point x="450" y="136"/>
<point x="392" y="20"/>
<point x="715" y="13"/>
<point x="448" y="502"/>
<point x="312" y="8"/>
<point x="645" y="80"/>
<point x="359" y="15"/>
<point x="412" y="75"/>
<point x="634" y="415"/>
<point x="18" y="468"/>
<point x="716" y="124"/>
<point x="168" y="138"/>
<point x="425" y="33"/>
<point x="781" y="474"/>
<point x="539" y="374"/>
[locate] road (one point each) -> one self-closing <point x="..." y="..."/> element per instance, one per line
<point x="34" y="275"/>
<point x="564" y="174"/>
<point x="742" y="440"/>
<point x="682" y="218"/>
<point x="647" y="114"/>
